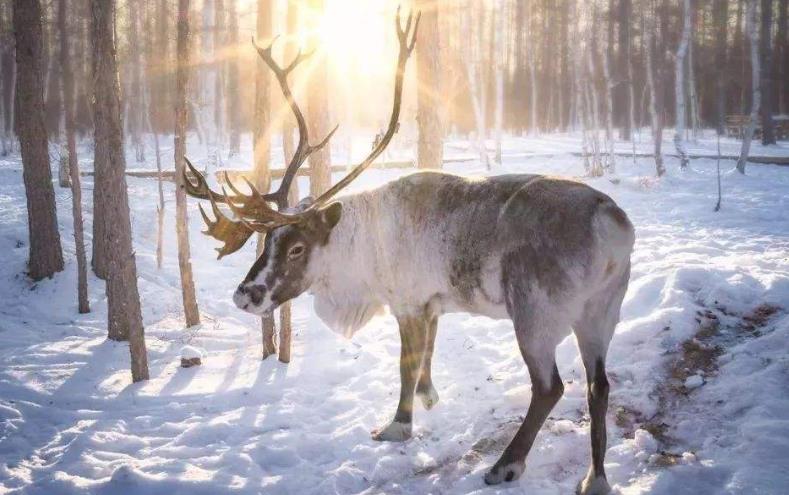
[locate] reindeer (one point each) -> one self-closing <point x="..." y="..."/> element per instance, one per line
<point x="550" y="254"/>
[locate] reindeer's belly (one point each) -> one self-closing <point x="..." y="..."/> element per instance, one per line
<point x="476" y="288"/>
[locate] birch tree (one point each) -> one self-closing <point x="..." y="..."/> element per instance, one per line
<point x="191" y="312"/>
<point x="46" y="255"/>
<point x="756" y="94"/>
<point x="679" y="86"/>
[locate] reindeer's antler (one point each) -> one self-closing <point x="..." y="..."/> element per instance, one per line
<point x="253" y="211"/>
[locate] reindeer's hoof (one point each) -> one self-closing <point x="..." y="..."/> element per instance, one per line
<point x="393" y="432"/>
<point x="429" y="397"/>
<point x="508" y="472"/>
<point x="593" y="485"/>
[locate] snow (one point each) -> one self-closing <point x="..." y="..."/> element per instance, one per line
<point x="707" y="301"/>
<point x="190" y="352"/>
<point x="694" y="381"/>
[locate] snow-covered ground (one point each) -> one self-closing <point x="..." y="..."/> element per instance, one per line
<point x="699" y="366"/>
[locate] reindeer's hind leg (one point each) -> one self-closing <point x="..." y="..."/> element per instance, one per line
<point x="413" y="334"/>
<point x="424" y="388"/>
<point x="539" y="329"/>
<point x="594" y="331"/>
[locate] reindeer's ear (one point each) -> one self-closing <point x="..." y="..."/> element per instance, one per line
<point x="331" y="214"/>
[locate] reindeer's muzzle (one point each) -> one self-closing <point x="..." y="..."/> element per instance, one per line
<point x="252" y="298"/>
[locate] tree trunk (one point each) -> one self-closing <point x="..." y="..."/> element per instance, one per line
<point x="499" y="61"/>
<point x="46" y="256"/>
<point x="52" y="103"/>
<point x="147" y="113"/>
<point x="782" y="57"/>
<point x="534" y="128"/>
<point x="428" y="66"/>
<point x="7" y="77"/>
<point x="766" y="77"/>
<point x="473" y="73"/>
<point x="191" y="311"/>
<point x="160" y="94"/>
<point x="234" y="103"/>
<point x="135" y="108"/>
<point x="285" y="323"/>
<point x="693" y="93"/>
<point x="753" y="36"/>
<point x="123" y="300"/>
<point x="654" y="106"/>
<point x="318" y="107"/>
<point x="73" y="163"/>
<point x="721" y="17"/>
<point x="220" y="67"/>
<point x="625" y="89"/>
<point x="262" y="111"/>
<point x="609" y="113"/>
<point x="262" y="144"/>
<point x="679" y="86"/>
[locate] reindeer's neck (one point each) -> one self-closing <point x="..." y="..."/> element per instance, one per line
<point x="347" y="279"/>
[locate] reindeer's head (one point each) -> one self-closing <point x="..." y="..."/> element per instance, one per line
<point x="287" y="267"/>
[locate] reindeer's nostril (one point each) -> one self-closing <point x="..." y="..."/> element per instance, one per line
<point x="256" y="293"/>
<point x="241" y="289"/>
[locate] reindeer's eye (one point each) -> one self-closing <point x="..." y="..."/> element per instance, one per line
<point x="296" y="251"/>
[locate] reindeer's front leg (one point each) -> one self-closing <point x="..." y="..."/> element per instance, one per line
<point x="413" y="334"/>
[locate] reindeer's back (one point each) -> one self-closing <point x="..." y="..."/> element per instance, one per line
<point x="464" y="231"/>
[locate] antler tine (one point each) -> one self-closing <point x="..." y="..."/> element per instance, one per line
<point x="231" y="185"/>
<point x="206" y="218"/>
<point x="239" y="214"/>
<point x="405" y="53"/>
<point x="303" y="149"/>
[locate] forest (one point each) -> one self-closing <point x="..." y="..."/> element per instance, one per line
<point x="232" y="227"/>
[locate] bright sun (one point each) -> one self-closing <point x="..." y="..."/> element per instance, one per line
<point x="358" y="36"/>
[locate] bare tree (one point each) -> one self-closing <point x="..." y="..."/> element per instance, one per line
<point x="262" y="145"/>
<point x="428" y="72"/>
<point x="285" y="323"/>
<point x="135" y="108"/>
<point x="123" y="299"/>
<point x="693" y="93"/>
<point x="73" y="164"/>
<point x="768" y="71"/>
<point x="234" y="103"/>
<point x="679" y="85"/>
<point x="46" y="256"/>
<point x="756" y="96"/>
<point x="147" y="114"/>
<point x="500" y="61"/>
<point x="191" y="312"/>
<point x="7" y="76"/>
<point x="220" y="66"/>
<point x="608" y="105"/>
<point x="473" y="62"/>
<point x="782" y="57"/>
<point x="654" y="101"/>
<point x="625" y="72"/>
<point x="318" y="105"/>
<point x="721" y="17"/>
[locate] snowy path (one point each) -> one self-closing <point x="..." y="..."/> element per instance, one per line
<point x="70" y="422"/>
